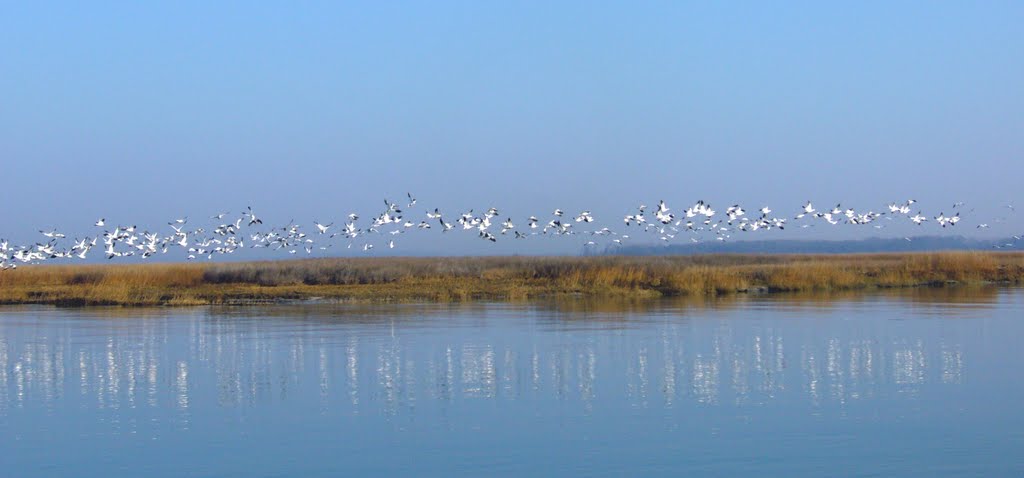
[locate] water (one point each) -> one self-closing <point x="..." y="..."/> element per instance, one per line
<point x="914" y="383"/>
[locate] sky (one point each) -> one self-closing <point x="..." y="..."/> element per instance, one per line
<point x="141" y="113"/>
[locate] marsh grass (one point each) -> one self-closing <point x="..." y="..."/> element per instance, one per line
<point x="495" y="278"/>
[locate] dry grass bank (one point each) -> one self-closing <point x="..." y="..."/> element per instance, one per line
<point x="495" y="278"/>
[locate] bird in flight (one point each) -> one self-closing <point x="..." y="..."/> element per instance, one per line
<point x="227" y="235"/>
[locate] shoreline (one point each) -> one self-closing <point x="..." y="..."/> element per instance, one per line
<point x="496" y="279"/>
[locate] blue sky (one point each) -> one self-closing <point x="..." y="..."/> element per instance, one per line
<point x="141" y="113"/>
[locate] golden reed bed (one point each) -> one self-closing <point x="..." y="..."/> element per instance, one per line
<point x="494" y="278"/>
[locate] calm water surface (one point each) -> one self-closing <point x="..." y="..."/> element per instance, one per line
<point x="914" y="383"/>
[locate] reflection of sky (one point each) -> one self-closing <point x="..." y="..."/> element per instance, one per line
<point x="174" y="373"/>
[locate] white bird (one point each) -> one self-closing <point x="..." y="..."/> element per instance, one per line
<point x="662" y="214"/>
<point x="321" y="228"/>
<point x="807" y="209"/>
<point x="253" y="219"/>
<point x="947" y="221"/>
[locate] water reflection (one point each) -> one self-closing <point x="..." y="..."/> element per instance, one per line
<point x="363" y="361"/>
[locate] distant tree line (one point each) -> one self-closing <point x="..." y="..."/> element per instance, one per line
<point x="782" y="246"/>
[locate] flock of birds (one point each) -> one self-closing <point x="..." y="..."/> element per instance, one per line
<point x="696" y="222"/>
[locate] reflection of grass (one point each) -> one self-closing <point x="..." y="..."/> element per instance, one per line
<point x="495" y="278"/>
